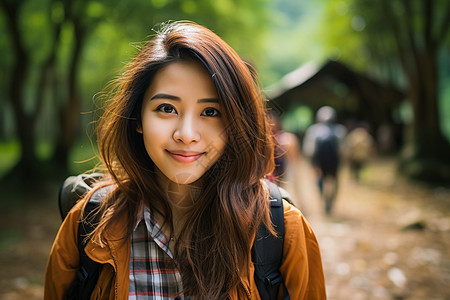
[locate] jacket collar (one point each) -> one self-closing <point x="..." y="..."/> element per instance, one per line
<point x="116" y="252"/>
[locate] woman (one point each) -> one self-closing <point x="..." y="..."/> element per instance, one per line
<point x="186" y="145"/>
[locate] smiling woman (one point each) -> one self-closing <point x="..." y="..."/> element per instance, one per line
<point x="183" y="130"/>
<point x="186" y="146"/>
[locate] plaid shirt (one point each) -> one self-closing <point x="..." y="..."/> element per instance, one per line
<point x="153" y="274"/>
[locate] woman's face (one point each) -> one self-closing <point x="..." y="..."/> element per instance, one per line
<point x="182" y="124"/>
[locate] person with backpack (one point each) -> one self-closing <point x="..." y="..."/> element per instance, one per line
<point x="322" y="144"/>
<point x="183" y="203"/>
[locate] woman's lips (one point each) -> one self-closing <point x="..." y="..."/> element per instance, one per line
<point x="185" y="156"/>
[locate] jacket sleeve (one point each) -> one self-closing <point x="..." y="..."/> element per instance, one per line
<point x="302" y="264"/>
<point x="63" y="261"/>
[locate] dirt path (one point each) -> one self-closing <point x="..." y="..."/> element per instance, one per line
<point x="368" y="250"/>
<point x="28" y="225"/>
<point x="387" y="238"/>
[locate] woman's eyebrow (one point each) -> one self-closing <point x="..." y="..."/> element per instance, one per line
<point x="176" y="98"/>
<point x="165" y="96"/>
<point x="208" y="100"/>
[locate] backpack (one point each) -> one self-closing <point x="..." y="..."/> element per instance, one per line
<point x="326" y="151"/>
<point x="267" y="250"/>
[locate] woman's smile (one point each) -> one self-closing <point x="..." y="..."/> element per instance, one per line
<point x="185" y="156"/>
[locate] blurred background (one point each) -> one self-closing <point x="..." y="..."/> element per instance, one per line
<point x="383" y="63"/>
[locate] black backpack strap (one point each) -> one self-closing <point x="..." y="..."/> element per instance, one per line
<point x="267" y="251"/>
<point x="89" y="271"/>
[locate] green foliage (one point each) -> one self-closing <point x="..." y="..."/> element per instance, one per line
<point x="5" y="62"/>
<point x="379" y="38"/>
<point x="339" y="32"/>
<point x="359" y="33"/>
<point x="82" y="157"/>
<point x="445" y="105"/>
<point x="444" y="86"/>
<point x="35" y="25"/>
<point x="291" y="40"/>
<point x="298" y="119"/>
<point x="9" y="155"/>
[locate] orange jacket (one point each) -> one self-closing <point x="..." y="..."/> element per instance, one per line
<point x="301" y="266"/>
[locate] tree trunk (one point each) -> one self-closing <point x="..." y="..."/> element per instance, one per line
<point x="428" y="139"/>
<point x="24" y="122"/>
<point x="69" y="114"/>
<point x="429" y="160"/>
<point x="418" y="42"/>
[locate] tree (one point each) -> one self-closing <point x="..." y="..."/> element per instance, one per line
<point x="420" y="29"/>
<point x="403" y="40"/>
<point x="20" y="76"/>
<point x="58" y="13"/>
<point x="83" y="22"/>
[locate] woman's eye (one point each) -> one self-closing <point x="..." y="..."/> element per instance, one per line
<point x="211" y="112"/>
<point x="166" y="108"/>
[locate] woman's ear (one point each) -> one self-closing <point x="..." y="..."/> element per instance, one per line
<point x="139" y="128"/>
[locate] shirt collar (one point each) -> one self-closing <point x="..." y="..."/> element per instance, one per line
<point x="154" y="229"/>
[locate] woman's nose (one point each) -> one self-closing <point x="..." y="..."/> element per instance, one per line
<point x="187" y="131"/>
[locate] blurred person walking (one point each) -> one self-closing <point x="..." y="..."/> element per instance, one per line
<point x="359" y="146"/>
<point x="322" y="145"/>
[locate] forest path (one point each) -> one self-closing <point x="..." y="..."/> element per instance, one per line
<point x="387" y="238"/>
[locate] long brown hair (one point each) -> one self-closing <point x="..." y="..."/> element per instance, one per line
<point x="215" y="245"/>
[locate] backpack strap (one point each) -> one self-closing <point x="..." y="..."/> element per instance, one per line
<point x="89" y="270"/>
<point x="267" y="250"/>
